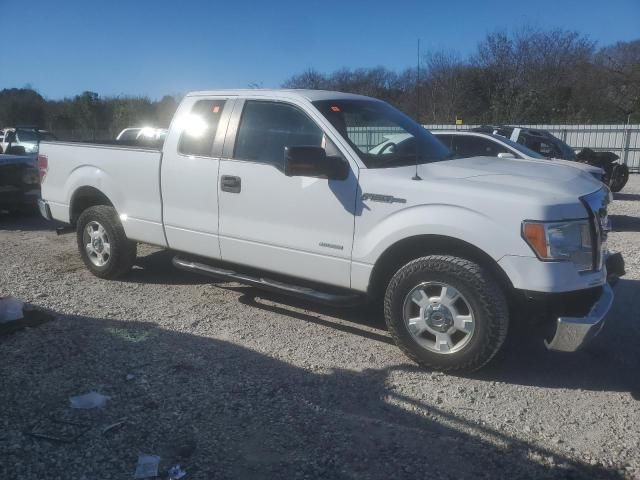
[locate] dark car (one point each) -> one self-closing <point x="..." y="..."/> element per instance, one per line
<point x="19" y="183"/>
<point x="615" y="176"/>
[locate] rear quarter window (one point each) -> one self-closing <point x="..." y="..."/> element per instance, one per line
<point x="200" y="127"/>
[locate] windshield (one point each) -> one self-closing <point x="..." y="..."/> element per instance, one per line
<point x="518" y="146"/>
<point x="381" y="135"/>
<point x="29" y="135"/>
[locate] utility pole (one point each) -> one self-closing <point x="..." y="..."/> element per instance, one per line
<point x="418" y="97"/>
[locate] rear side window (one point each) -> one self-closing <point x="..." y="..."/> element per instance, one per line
<point x="472" y="146"/>
<point x="267" y="127"/>
<point x="446" y="139"/>
<point x="200" y="127"/>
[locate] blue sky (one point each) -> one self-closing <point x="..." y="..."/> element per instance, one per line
<point x="145" y="47"/>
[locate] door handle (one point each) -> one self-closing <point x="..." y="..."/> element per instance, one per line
<point x="231" y="184"/>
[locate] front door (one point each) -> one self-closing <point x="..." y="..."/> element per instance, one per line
<point x="299" y="226"/>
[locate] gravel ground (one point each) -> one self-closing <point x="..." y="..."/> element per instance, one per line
<point x="233" y="382"/>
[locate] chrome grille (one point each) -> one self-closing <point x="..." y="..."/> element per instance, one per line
<point x="597" y="203"/>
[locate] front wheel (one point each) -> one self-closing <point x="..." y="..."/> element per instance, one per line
<point x="446" y="313"/>
<point x="103" y="244"/>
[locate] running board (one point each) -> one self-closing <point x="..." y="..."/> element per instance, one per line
<point x="343" y="299"/>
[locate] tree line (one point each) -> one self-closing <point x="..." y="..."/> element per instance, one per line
<point x="525" y="76"/>
<point x="86" y="116"/>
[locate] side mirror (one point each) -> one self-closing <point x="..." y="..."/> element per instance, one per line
<point x="308" y="161"/>
<point x="506" y="155"/>
<point x="10" y="137"/>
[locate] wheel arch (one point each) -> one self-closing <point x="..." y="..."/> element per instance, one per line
<point x="405" y="250"/>
<point x="85" y="197"/>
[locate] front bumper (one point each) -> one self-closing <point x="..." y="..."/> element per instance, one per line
<point x="573" y="333"/>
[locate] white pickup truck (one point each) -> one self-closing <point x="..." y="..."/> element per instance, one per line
<point x="280" y="189"/>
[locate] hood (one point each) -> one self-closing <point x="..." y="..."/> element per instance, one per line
<point x="527" y="176"/>
<point x="534" y="189"/>
<point x="590" y="169"/>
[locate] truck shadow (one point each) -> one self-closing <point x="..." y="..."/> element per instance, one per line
<point x="225" y="411"/>
<point x="26" y="222"/>
<point x="156" y="267"/>
<point x="610" y="363"/>
<point x="348" y="320"/>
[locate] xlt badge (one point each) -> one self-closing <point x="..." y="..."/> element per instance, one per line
<point x="376" y="197"/>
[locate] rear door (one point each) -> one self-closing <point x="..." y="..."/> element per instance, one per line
<point x="189" y="175"/>
<point x="299" y="226"/>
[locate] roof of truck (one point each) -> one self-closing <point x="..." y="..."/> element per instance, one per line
<point x="311" y="95"/>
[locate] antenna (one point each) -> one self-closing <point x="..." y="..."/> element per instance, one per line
<point x="416" y="176"/>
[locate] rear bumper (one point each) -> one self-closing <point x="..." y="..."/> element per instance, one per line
<point x="573" y="333"/>
<point x="45" y="211"/>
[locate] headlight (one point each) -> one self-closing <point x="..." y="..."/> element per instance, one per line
<point x="561" y="241"/>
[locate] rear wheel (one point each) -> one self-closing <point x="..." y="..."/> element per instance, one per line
<point x="446" y="313"/>
<point x="103" y="244"/>
<point x="619" y="177"/>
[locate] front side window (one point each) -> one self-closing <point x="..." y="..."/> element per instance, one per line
<point x="266" y="128"/>
<point x="200" y="127"/>
<point x="381" y="135"/>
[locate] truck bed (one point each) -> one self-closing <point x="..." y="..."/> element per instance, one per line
<point x="128" y="176"/>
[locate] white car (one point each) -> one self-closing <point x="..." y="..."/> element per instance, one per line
<point x="276" y="188"/>
<point x="470" y="144"/>
<point x="26" y="139"/>
<point x="141" y="134"/>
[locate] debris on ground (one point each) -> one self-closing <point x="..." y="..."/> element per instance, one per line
<point x="57" y="430"/>
<point x="176" y="472"/>
<point x="113" y="426"/>
<point x="10" y="309"/>
<point x="16" y="315"/>
<point x="147" y="466"/>
<point x="89" y="400"/>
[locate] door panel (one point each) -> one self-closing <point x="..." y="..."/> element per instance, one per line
<point x="189" y="177"/>
<point x="299" y="226"/>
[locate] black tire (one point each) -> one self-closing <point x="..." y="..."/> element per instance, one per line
<point x="481" y="291"/>
<point x="122" y="250"/>
<point x="619" y="177"/>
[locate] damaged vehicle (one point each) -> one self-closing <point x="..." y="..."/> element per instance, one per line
<point x="472" y="144"/>
<point x="281" y="189"/>
<point x="615" y="173"/>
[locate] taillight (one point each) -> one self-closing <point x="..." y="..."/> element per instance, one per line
<point x="43" y="166"/>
